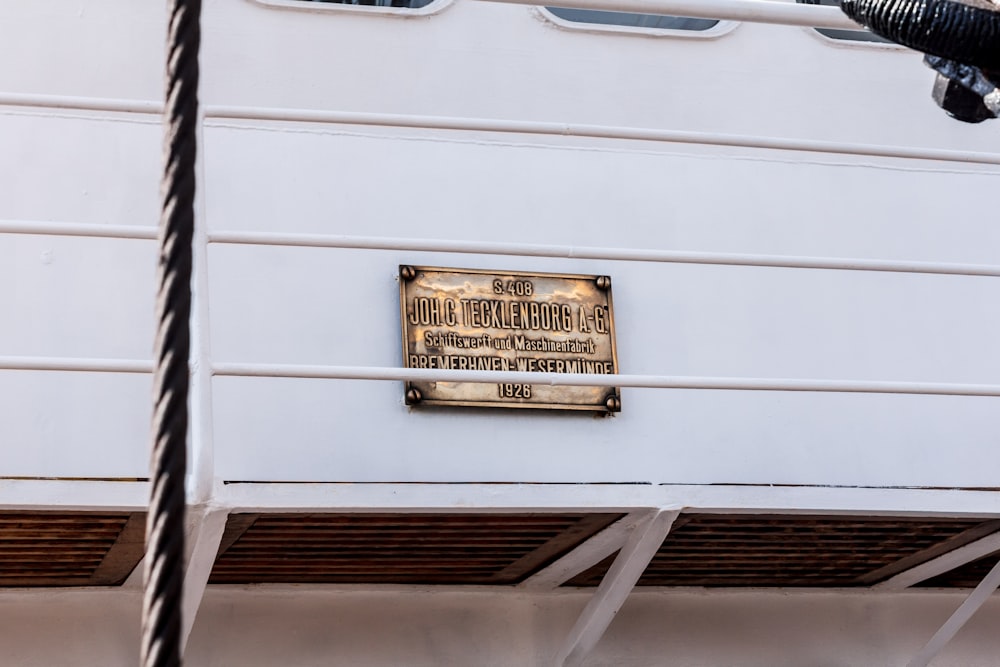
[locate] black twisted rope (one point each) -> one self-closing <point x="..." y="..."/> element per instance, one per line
<point x="966" y="31"/>
<point x="161" y="610"/>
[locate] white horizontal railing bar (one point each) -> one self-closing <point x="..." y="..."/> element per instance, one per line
<point x="595" y="253"/>
<point x="77" y="229"/>
<point x="553" y="379"/>
<point x="509" y="126"/>
<point x="509" y="249"/>
<point x="595" y="380"/>
<point x="10" y="363"/>
<point x="512" y="126"/>
<point x="751" y="11"/>
<point x="596" y="132"/>
<point x="80" y="103"/>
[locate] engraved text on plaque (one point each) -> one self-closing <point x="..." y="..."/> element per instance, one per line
<point x="467" y="319"/>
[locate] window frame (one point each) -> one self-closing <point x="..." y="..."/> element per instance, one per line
<point x="434" y="7"/>
<point x="718" y="30"/>
<point x="847" y="42"/>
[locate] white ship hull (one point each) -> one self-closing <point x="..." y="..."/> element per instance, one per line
<point x="804" y="257"/>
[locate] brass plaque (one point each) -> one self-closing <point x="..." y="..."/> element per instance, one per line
<point x="466" y="319"/>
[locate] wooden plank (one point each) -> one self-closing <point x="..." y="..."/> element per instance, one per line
<point x="939" y="549"/>
<point x="396" y="547"/>
<point x="56" y="548"/>
<point x="60" y="539"/>
<point x="943" y="563"/>
<point x="264" y="533"/>
<point x="45" y="582"/>
<point x="964" y="576"/>
<point x="588" y="554"/>
<point x="555" y="547"/>
<point x="425" y="519"/>
<point x="63" y="519"/>
<point x="785" y="551"/>
<point x="388" y="542"/>
<point x="51" y="560"/>
<point x="124" y="554"/>
<point x="388" y="564"/>
<point x="236" y="526"/>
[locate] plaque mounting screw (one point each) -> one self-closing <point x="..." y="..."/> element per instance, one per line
<point x="613" y="403"/>
<point x="407" y="273"/>
<point x="413" y="396"/>
<point x="603" y="282"/>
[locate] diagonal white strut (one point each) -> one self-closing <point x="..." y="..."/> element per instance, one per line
<point x="639" y="549"/>
<point x="588" y="554"/>
<point x="944" y="563"/>
<point x="964" y="612"/>
<point x="206" y="526"/>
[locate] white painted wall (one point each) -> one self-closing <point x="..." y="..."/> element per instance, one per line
<point x="76" y="297"/>
<point x="92" y="297"/>
<point x="79" y="298"/>
<point x="306" y="626"/>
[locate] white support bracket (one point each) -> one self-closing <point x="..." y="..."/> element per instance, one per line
<point x="642" y="544"/>
<point x="206" y="526"/>
<point x="941" y="564"/>
<point x="588" y="554"/>
<point x="964" y="612"/>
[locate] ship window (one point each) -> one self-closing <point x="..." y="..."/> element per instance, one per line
<point x="401" y="4"/>
<point x="629" y="20"/>
<point x="845" y="35"/>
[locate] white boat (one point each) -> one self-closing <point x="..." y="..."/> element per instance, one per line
<point x="804" y="258"/>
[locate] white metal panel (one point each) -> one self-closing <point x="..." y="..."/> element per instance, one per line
<point x="323" y="306"/>
<point x="425" y="628"/>
<point x="299" y="626"/>
<point x="329" y="306"/>
<point x="67" y="297"/>
<point x="70" y="297"/>
<point x="317" y="430"/>
<point x="79" y="167"/>
<point x="75" y="425"/>
<point x="487" y="61"/>
<point x="718" y="498"/>
<point x="480" y="59"/>
<point x="476" y="186"/>
<point x="98" y="494"/>
<point x="92" y="48"/>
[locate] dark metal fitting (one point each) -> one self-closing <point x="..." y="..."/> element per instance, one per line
<point x="613" y="403"/>
<point x="407" y="273"/>
<point x="413" y="396"/>
<point x="603" y="283"/>
<point x="967" y="93"/>
<point x="958" y="101"/>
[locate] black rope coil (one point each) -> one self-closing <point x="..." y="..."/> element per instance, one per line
<point x="161" y="612"/>
<point x="966" y="31"/>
